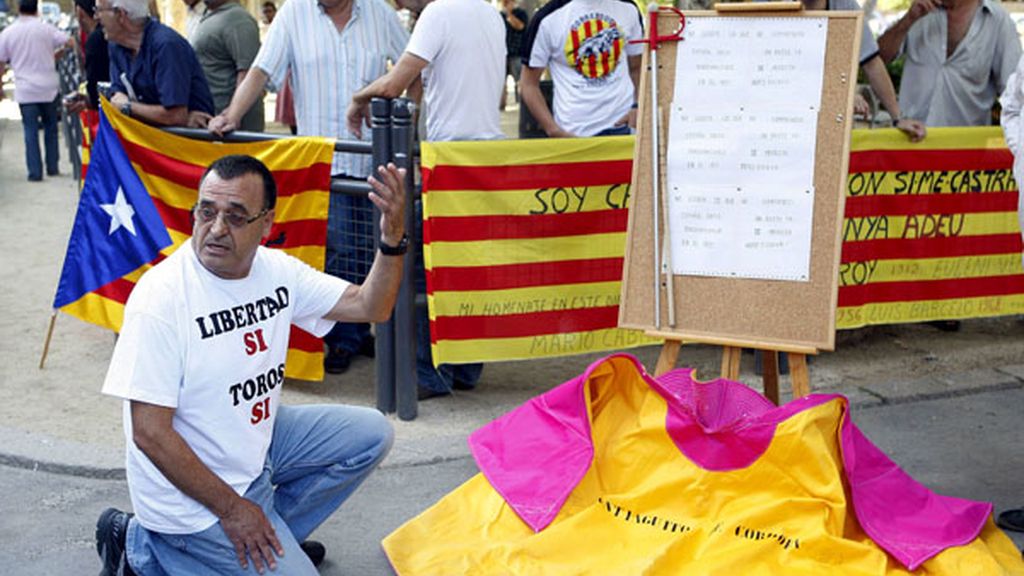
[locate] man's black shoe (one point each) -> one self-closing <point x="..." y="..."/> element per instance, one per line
<point x="337" y="361"/>
<point x="111" y="533"/>
<point x="1011" y="520"/>
<point x="315" y="551"/>
<point x="368" y="348"/>
<point x="946" y="325"/>
<point x="426" y="393"/>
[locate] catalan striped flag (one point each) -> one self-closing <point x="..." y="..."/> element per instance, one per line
<point x="931" y="229"/>
<point x="146" y="180"/>
<point x="523" y="247"/>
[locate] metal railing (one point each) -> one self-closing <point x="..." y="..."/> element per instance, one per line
<point x="392" y="132"/>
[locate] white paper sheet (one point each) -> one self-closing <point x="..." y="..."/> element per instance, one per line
<point x="743" y="63"/>
<point x="740" y="233"/>
<point x="741" y="146"/>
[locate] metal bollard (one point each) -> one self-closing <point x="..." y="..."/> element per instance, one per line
<point x="380" y="129"/>
<point x="402" y="111"/>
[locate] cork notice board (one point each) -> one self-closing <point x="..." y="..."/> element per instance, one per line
<point x="771" y="314"/>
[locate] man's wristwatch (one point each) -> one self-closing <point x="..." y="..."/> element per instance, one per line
<point x="896" y="121"/>
<point x="126" y="108"/>
<point x="387" y="250"/>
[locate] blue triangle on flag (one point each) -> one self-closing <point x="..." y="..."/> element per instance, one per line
<point x="117" y="227"/>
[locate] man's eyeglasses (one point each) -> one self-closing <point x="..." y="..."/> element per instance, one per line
<point x="208" y="215"/>
<point x="96" y="11"/>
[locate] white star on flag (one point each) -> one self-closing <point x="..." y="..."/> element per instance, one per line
<point x="120" y="212"/>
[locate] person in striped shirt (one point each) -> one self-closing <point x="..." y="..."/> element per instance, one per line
<point x="333" y="48"/>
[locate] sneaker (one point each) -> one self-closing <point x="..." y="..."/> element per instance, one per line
<point x="337" y="361"/>
<point x="1011" y="520"/>
<point x="315" y="551"/>
<point x="111" y="533"/>
<point x="368" y="348"/>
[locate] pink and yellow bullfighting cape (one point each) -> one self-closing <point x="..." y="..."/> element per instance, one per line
<point x="616" y="472"/>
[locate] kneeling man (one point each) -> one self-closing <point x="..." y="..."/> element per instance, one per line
<point x="223" y="478"/>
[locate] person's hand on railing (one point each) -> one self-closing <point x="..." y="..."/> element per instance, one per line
<point x="221" y="124"/>
<point x="198" y="119"/>
<point x="914" y="129"/>
<point x="356" y="115"/>
<point x="861" y="107"/>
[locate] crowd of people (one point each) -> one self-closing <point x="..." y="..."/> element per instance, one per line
<point x="215" y="491"/>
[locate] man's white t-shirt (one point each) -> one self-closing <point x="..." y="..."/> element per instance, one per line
<point x="464" y="43"/>
<point x="214" y="350"/>
<point x="584" y="44"/>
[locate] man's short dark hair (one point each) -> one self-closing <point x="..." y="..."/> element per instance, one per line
<point x="28" y="6"/>
<point x="87" y="6"/>
<point x="270" y="4"/>
<point x="238" y="165"/>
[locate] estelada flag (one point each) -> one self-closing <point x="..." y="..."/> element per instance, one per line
<point x="134" y="210"/>
<point x="523" y="244"/>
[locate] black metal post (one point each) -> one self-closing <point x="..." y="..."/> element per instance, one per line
<point x="405" y="310"/>
<point x="380" y="128"/>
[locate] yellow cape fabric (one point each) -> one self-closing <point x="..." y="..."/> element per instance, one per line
<point x="644" y="508"/>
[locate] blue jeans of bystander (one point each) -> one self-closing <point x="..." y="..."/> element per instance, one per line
<point x="33" y="116"/>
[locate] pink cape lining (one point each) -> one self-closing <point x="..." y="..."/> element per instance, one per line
<point x="535" y="456"/>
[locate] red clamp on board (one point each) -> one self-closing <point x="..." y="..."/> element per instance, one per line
<point x="653" y="38"/>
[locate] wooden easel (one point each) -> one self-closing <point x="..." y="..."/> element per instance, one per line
<point x="798" y="374"/>
<point x="796" y="318"/>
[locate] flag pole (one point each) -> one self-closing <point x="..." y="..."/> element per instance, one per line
<point x="46" y="344"/>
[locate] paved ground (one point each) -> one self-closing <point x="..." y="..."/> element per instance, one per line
<point x="945" y="406"/>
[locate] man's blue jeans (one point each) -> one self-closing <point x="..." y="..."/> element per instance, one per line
<point x="34" y="115"/>
<point x="318" y="456"/>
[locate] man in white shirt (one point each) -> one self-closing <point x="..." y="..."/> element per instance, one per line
<point x="585" y="44"/>
<point x="458" y="50"/>
<point x="220" y="473"/>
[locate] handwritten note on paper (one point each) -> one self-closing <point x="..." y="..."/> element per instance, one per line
<point x="742" y="138"/>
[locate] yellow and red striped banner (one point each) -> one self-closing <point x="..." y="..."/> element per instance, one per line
<point x="931" y="229"/>
<point x="524" y="240"/>
<point x="170" y="166"/>
<point x="523" y="246"/>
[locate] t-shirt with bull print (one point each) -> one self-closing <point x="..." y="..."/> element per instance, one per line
<point x="584" y="44"/>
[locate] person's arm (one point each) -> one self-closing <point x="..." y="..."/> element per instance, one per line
<point x="374" y="299"/>
<point x="243" y="521"/>
<point x="248" y="91"/>
<point x="3" y="70"/>
<point x="529" y="86"/>
<point x="514" y="21"/>
<point x="891" y="40"/>
<point x="401" y="77"/>
<point x="1009" y="117"/>
<point x="153" y="113"/>
<point x="881" y="85"/>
